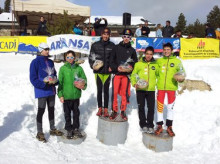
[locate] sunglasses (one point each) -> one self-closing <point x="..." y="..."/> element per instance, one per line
<point x="68" y="57"/>
<point x="46" y="49"/>
<point x="126" y="36"/>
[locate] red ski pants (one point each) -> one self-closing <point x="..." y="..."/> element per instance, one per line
<point x="120" y="85"/>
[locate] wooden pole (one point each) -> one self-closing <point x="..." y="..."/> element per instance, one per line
<point x="13" y="18"/>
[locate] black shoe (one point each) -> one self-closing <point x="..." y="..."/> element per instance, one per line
<point x="69" y="134"/>
<point x="113" y="115"/>
<point x="77" y="133"/>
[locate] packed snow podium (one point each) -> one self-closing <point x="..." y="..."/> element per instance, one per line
<point x="110" y="63"/>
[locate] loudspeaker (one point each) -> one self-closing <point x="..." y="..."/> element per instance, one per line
<point x="23" y="20"/>
<point x="126" y="19"/>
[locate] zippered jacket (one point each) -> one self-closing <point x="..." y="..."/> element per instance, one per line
<point x="168" y="66"/>
<point x="101" y="50"/>
<point x="38" y="72"/>
<point x="120" y="54"/>
<point x="67" y="76"/>
<point x="147" y="71"/>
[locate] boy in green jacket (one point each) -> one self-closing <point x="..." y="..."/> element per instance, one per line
<point x="72" y="80"/>
<point x="145" y="70"/>
<point x="169" y="65"/>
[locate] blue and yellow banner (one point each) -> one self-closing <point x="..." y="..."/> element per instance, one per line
<point x="9" y="44"/>
<point x="195" y="48"/>
<point x="29" y="44"/>
<point x="199" y="48"/>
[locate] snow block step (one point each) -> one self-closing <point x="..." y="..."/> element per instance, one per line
<point x="74" y="141"/>
<point x="112" y="132"/>
<point x="160" y="143"/>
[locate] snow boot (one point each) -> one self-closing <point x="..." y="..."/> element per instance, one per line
<point x="99" y="113"/>
<point x="159" y="130"/>
<point x="123" y="115"/>
<point x="77" y="134"/>
<point x="170" y="131"/>
<point x="55" y="132"/>
<point x="150" y="130"/>
<point x="69" y="134"/>
<point x="40" y="136"/>
<point x="105" y="112"/>
<point x="113" y="115"/>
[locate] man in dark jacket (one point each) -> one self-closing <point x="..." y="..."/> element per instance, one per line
<point x="41" y="68"/>
<point x="99" y="27"/>
<point x="42" y="27"/>
<point x="168" y="30"/>
<point x="145" y="30"/>
<point x="122" y="62"/>
<point x="101" y="50"/>
<point x="209" y="31"/>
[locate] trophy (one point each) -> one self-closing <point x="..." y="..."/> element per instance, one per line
<point x="78" y="81"/>
<point x="141" y="82"/>
<point x="180" y="76"/>
<point x="126" y="67"/>
<point x="97" y="63"/>
<point x="51" y="79"/>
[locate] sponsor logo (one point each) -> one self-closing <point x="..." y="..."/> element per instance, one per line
<point x="201" y="45"/>
<point x="172" y="65"/>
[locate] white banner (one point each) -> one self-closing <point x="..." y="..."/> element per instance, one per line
<point x="62" y="43"/>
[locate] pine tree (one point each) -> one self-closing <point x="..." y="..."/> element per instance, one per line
<point x="181" y="23"/>
<point x="214" y="17"/>
<point x="63" y="25"/>
<point x="1" y="10"/>
<point x="198" y="29"/>
<point x="7" y="6"/>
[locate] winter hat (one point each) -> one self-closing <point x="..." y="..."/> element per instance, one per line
<point x="106" y="30"/>
<point x="96" y="18"/>
<point x="42" y="46"/>
<point x="127" y="32"/>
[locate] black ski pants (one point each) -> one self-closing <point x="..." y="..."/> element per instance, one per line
<point x="69" y="106"/>
<point x="149" y="96"/>
<point x="103" y="86"/>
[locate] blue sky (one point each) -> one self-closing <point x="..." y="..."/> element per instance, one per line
<point x="156" y="11"/>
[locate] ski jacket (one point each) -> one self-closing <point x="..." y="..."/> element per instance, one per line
<point x="168" y="31"/>
<point x="101" y="50"/>
<point x="99" y="27"/>
<point x="168" y="66"/>
<point x="67" y="76"/>
<point x="147" y="71"/>
<point x="38" y="72"/>
<point x="120" y="54"/>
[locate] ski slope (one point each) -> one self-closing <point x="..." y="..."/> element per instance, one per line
<point x="196" y="122"/>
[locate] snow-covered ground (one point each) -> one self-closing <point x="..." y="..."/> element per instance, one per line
<point x="196" y="122"/>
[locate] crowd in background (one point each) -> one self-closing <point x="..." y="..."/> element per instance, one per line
<point x="143" y="30"/>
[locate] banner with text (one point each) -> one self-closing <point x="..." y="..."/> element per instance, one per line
<point x="9" y="44"/>
<point x="199" y="48"/>
<point x="142" y="43"/>
<point x="62" y="43"/>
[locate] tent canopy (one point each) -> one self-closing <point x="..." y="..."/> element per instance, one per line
<point x="50" y="9"/>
